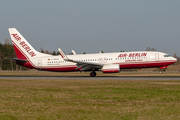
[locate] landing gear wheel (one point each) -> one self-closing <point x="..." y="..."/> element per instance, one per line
<point x="93" y="74"/>
<point x="160" y="72"/>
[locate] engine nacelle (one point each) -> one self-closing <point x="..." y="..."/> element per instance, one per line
<point x="111" y="68"/>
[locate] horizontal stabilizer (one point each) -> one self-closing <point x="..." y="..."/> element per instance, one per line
<point x="16" y="59"/>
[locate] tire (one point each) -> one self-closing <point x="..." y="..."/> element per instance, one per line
<point x="93" y="74"/>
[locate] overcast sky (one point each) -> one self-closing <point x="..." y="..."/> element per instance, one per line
<point x="94" y="25"/>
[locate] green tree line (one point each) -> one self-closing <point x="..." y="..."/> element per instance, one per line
<point x="7" y="51"/>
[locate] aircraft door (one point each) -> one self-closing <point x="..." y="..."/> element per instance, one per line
<point x="39" y="63"/>
<point x="157" y="57"/>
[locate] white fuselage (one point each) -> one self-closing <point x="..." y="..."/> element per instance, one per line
<point x="141" y="59"/>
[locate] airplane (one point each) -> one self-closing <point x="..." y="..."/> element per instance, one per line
<point x="106" y="62"/>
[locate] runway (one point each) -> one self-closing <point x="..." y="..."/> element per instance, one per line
<point x="90" y="78"/>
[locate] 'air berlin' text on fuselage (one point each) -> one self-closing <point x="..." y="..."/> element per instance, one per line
<point x="24" y="45"/>
<point x="133" y="55"/>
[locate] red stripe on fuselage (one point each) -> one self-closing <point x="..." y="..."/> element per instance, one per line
<point x="149" y="64"/>
<point x="61" y="69"/>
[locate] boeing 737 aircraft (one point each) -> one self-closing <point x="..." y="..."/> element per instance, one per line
<point x="106" y="62"/>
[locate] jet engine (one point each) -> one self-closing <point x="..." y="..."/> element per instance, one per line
<point x="111" y="68"/>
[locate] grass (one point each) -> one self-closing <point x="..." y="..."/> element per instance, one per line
<point x="89" y="99"/>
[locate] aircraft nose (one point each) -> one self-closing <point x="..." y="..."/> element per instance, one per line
<point x="174" y="59"/>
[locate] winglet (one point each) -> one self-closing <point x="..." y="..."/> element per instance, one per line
<point x="73" y="52"/>
<point x="62" y="54"/>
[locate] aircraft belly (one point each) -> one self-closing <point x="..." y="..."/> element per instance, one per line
<point x="61" y="68"/>
<point x="148" y="64"/>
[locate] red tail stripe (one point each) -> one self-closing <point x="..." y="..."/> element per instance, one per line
<point x="20" y="54"/>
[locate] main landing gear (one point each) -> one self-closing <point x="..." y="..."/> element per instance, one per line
<point x="93" y="74"/>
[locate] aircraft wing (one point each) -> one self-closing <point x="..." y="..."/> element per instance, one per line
<point x="86" y="65"/>
<point x="81" y="64"/>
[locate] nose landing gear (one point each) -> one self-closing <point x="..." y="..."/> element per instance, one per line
<point x="93" y="74"/>
<point x="160" y="72"/>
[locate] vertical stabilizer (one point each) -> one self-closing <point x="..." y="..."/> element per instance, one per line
<point x="22" y="48"/>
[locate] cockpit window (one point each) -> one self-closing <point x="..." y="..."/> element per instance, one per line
<point x="166" y="55"/>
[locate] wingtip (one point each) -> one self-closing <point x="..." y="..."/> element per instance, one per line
<point x="11" y="28"/>
<point x="62" y="54"/>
